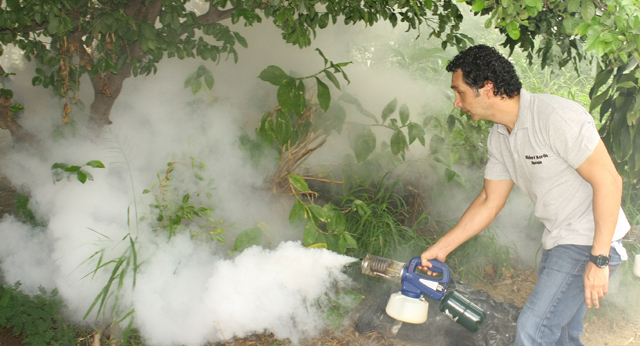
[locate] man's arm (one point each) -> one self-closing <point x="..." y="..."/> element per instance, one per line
<point x="478" y="216"/>
<point x="599" y="171"/>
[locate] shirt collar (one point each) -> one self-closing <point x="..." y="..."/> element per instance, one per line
<point x="524" y="114"/>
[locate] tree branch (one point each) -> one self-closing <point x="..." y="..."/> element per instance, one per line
<point x="215" y="15"/>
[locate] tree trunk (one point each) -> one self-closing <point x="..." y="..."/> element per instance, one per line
<point x="18" y="133"/>
<point x="106" y="90"/>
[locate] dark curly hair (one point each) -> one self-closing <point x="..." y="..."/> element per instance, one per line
<point x="480" y="64"/>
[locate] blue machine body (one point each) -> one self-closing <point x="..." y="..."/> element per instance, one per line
<point x="415" y="284"/>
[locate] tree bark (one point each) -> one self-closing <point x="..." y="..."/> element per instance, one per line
<point x="18" y="133"/>
<point x="107" y="88"/>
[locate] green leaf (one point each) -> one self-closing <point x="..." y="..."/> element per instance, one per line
<point x="337" y="222"/>
<point x="59" y="165"/>
<point x="449" y="174"/>
<point x="588" y="10"/>
<point x="636" y="152"/>
<point x="436" y="144"/>
<point x="573" y="5"/>
<point x="299" y="101"/>
<point x="297" y="214"/>
<point x="389" y="109"/>
<point x="398" y="142"/>
<point x="332" y="78"/>
<point x="82" y="177"/>
<point x="451" y="122"/>
<point x="318" y="212"/>
<point x="324" y="96"/>
<point x="208" y="79"/>
<point x="326" y="61"/>
<point x="200" y="71"/>
<point x="537" y="4"/>
<point x="416" y="132"/>
<point x="513" y="30"/>
<point x="310" y="233"/>
<point x="362" y="141"/>
<point x="621" y="140"/>
<point x="274" y="75"/>
<point x="196" y="85"/>
<point x="240" y="39"/>
<point x="350" y="241"/>
<point x="283" y="128"/>
<point x="287" y="95"/>
<point x="342" y="245"/>
<point x="478" y="5"/>
<point x="16" y="107"/>
<point x="247" y="238"/>
<point x="7" y="92"/>
<point x="95" y="164"/>
<point x="323" y="21"/>
<point x="404" y="114"/>
<point x="13" y="4"/>
<point x="298" y="182"/>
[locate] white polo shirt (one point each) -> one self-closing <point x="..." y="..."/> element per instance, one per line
<point x="552" y="137"/>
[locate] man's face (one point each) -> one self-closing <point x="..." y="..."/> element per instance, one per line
<point x="473" y="103"/>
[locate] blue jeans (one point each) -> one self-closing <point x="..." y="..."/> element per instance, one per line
<point x="555" y="310"/>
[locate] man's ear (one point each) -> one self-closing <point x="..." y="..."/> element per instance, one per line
<point x="488" y="88"/>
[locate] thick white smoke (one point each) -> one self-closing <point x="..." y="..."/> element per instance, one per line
<point x="186" y="292"/>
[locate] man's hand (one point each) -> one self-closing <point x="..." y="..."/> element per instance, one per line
<point x="429" y="254"/>
<point x="596" y="284"/>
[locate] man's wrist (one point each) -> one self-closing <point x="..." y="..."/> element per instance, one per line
<point x="601" y="261"/>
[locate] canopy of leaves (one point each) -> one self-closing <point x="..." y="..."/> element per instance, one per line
<point x="107" y="38"/>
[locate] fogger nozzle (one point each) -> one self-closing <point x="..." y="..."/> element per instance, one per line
<point x="382" y="267"/>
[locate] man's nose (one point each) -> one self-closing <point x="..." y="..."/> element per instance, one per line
<point x="457" y="103"/>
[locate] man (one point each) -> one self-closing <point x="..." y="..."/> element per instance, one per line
<point x="550" y="148"/>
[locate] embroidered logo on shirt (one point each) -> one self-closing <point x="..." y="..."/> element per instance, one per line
<point x="536" y="159"/>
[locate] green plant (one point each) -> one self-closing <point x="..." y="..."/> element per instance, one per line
<point x="323" y="226"/>
<point x="373" y="215"/>
<point x="457" y="140"/>
<point x="482" y="257"/>
<point x="340" y="306"/>
<point x="63" y="170"/>
<point x="36" y="318"/>
<point x="25" y="213"/>
<point x="176" y="210"/>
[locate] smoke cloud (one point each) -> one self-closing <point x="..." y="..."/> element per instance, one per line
<point x="187" y="292"/>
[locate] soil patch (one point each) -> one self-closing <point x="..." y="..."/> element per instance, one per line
<point x="7" y="338"/>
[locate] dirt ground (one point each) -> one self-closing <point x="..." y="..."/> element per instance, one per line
<point x="612" y="330"/>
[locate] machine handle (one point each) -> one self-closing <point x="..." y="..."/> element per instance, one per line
<point x="415" y="284"/>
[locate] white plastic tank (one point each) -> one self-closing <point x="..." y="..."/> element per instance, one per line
<point x="406" y="309"/>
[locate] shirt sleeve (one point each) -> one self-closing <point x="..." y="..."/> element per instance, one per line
<point x="574" y="136"/>
<point x="496" y="168"/>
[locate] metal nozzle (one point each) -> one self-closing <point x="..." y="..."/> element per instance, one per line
<point x="382" y="267"/>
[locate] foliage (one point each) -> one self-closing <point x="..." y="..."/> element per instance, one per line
<point x="124" y="267"/>
<point x="36" y="318"/>
<point x="195" y="80"/>
<point x="374" y="214"/>
<point x="112" y="40"/>
<point x="323" y="226"/>
<point x="483" y="257"/>
<point x="252" y="236"/>
<point x="176" y="210"/>
<point x="571" y="29"/>
<point x="62" y="170"/>
<point x="458" y="140"/>
<point x="25" y="213"/>
<point x="298" y="126"/>
<point x="340" y="306"/>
